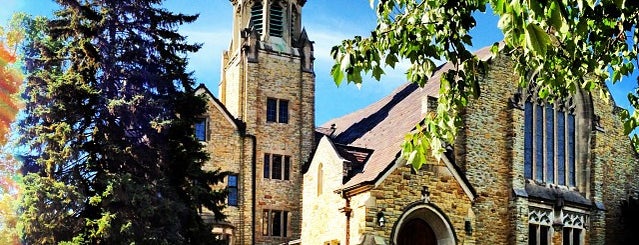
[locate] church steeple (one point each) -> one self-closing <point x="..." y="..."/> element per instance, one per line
<point x="268" y="85"/>
<point x="277" y="22"/>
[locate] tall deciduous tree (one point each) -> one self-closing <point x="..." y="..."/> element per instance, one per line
<point x="10" y="81"/>
<point x="109" y="116"/>
<point x="558" y="46"/>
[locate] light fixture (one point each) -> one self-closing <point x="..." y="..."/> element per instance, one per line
<point x="468" y="227"/>
<point x="381" y="221"/>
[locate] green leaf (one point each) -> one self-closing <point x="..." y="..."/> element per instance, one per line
<point x="535" y="6"/>
<point x="391" y="60"/>
<point x="338" y="75"/>
<point x="537" y="40"/>
<point x="556" y="18"/>
<point x="377" y="73"/>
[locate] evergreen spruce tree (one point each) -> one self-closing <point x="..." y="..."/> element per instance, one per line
<point x="109" y="115"/>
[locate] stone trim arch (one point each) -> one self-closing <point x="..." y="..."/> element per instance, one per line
<point x="431" y="214"/>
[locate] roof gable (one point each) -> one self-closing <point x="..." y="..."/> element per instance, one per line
<point x="203" y="90"/>
<point x="382" y="126"/>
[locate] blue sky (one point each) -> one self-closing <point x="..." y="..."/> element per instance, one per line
<point x="327" y="23"/>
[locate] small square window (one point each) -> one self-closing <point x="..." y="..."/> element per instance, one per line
<point x="200" y="129"/>
<point x="277" y="166"/>
<point x="277" y="110"/>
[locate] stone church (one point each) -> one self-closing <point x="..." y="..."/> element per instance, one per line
<point x="522" y="170"/>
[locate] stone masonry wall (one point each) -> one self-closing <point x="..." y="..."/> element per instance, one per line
<point x="279" y="76"/>
<point x="488" y="132"/>
<point x="224" y="145"/>
<point x="231" y="85"/>
<point x="323" y="221"/>
<point x="402" y="188"/>
<point x="492" y="155"/>
<point x="617" y="161"/>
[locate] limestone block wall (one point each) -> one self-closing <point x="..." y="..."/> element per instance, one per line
<point x="615" y="157"/>
<point x="402" y="188"/>
<point x="224" y="145"/>
<point x="322" y="220"/>
<point x="231" y="86"/>
<point x="279" y="76"/>
<point x="361" y="217"/>
<point x="490" y="149"/>
<point x="487" y="139"/>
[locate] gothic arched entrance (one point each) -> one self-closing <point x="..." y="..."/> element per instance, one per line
<point x="423" y="224"/>
<point x="416" y="232"/>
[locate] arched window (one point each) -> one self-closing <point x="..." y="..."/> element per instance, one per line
<point x="276" y="23"/>
<point x="549" y="141"/>
<point x="320" y="179"/>
<point x="257" y="17"/>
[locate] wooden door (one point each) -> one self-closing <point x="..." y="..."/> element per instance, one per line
<point x="416" y="232"/>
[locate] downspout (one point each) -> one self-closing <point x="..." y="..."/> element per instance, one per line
<point x="347" y="211"/>
<point x="253" y="183"/>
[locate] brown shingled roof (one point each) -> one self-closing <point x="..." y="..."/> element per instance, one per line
<point x="382" y="125"/>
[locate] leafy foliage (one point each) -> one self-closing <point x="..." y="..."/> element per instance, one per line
<point x="10" y="75"/>
<point x="10" y="81"/>
<point x="111" y="154"/>
<point x="559" y="46"/>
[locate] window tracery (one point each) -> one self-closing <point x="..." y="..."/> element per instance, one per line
<point x="549" y="140"/>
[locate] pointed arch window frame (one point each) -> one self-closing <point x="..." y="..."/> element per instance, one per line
<point x="549" y="140"/>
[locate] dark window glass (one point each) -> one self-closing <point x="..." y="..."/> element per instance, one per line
<point x="277" y="223"/>
<point x="267" y="166"/>
<point x="539" y="143"/>
<point x="550" y="144"/>
<point x="284" y="224"/>
<point x="287" y="167"/>
<point x="276" y="24"/>
<point x="543" y="235"/>
<point x="528" y="140"/>
<point x="256" y="17"/>
<point x="532" y="234"/>
<point x="576" y="236"/>
<point x="277" y="167"/>
<point x="566" y="236"/>
<point x="283" y="112"/>
<point x="571" y="150"/>
<point x="561" y="148"/>
<point x="232" y="187"/>
<point x="200" y="129"/>
<point x="271" y="110"/>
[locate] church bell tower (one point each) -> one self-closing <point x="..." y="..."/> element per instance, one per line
<point x="268" y="84"/>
